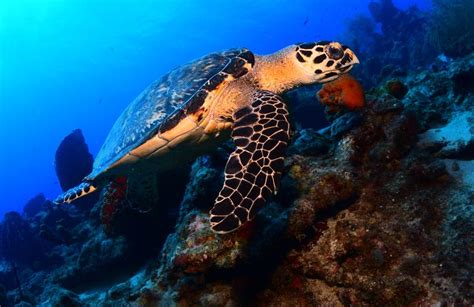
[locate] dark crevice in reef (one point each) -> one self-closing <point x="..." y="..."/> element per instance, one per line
<point x="319" y="225"/>
<point x="110" y="276"/>
<point x="250" y="278"/>
<point x="338" y="207"/>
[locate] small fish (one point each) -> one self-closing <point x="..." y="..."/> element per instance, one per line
<point x="306" y="21"/>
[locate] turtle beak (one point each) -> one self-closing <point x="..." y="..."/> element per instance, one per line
<point x="355" y="59"/>
<point x="349" y="58"/>
<point x="348" y="61"/>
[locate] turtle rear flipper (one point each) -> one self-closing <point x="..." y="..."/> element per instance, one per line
<point x="261" y="133"/>
<point x="72" y="194"/>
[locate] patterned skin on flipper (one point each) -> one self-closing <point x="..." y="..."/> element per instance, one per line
<point x="261" y="133"/>
<point x="76" y="192"/>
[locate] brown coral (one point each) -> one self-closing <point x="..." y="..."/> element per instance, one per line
<point x="396" y="88"/>
<point x="345" y="91"/>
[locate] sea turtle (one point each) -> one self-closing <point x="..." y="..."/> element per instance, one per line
<point x="195" y="107"/>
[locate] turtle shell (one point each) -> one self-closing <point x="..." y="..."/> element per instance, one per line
<point x="167" y="101"/>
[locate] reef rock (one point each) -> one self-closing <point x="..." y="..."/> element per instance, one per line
<point x="342" y="124"/>
<point x="7" y="276"/>
<point x="62" y="297"/>
<point x="310" y="143"/>
<point x="453" y="141"/>
<point x="73" y="161"/>
<point x="34" y="206"/>
<point x="396" y="88"/>
<point x="382" y="41"/>
<point x="98" y="259"/>
<point x="17" y="240"/>
<point x="3" y="296"/>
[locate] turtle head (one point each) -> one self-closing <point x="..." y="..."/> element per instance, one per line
<point x="323" y="61"/>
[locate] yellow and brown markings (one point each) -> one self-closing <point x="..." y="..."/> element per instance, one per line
<point x="193" y="123"/>
<point x="261" y="134"/>
<point x="198" y="105"/>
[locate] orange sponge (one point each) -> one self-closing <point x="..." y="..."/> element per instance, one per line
<point x="344" y="91"/>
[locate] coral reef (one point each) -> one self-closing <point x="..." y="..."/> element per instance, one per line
<point x="373" y="210"/>
<point x="62" y="297"/>
<point x="390" y="52"/>
<point x="396" y="88"/>
<point x="448" y="17"/>
<point x="3" y="295"/>
<point x="17" y="240"/>
<point x="34" y="205"/>
<point x="8" y="276"/>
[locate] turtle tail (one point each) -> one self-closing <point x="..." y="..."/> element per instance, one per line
<point x="77" y="192"/>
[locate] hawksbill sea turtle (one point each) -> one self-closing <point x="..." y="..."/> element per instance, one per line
<point x="197" y="106"/>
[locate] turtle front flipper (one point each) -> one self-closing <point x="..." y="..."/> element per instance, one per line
<point x="261" y="133"/>
<point x="72" y="194"/>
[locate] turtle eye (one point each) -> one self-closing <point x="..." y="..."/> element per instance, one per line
<point x="335" y="52"/>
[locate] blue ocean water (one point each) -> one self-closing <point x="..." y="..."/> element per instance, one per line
<point x="67" y="64"/>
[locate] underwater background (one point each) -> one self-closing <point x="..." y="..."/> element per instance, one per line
<point x="77" y="64"/>
<point x="375" y="205"/>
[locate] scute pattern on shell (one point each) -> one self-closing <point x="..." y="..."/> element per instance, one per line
<point x="156" y="104"/>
